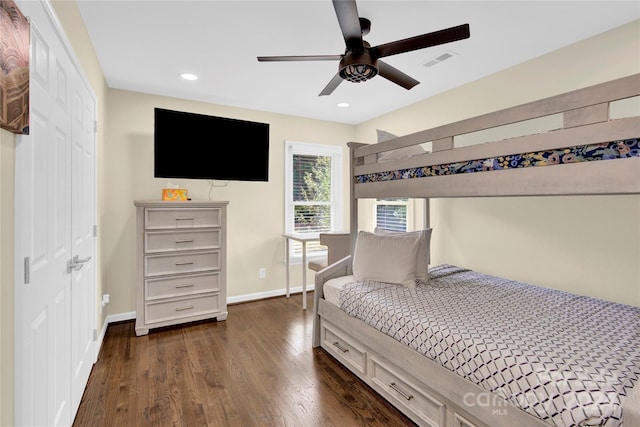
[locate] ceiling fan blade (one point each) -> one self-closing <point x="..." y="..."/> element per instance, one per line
<point x="396" y="76"/>
<point x="332" y="85"/>
<point x="420" y="42"/>
<point x="347" y="13"/>
<point x="300" y="58"/>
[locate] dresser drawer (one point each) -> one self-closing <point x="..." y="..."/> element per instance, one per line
<point x="192" y="262"/>
<point x="390" y="382"/>
<point x="182" y="308"/>
<point x="181" y="285"/>
<point x="182" y="218"/>
<point x="343" y="347"/>
<point x="168" y="241"/>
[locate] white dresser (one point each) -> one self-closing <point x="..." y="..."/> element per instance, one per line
<point x="181" y="262"/>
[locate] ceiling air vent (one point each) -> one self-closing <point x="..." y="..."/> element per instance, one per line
<point x="440" y="58"/>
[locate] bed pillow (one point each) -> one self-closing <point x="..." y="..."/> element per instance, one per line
<point x="386" y="258"/>
<point x="422" y="259"/>
<point x="398" y="153"/>
<point x="383" y="135"/>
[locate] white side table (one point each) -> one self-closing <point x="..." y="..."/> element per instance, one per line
<point x="303" y="238"/>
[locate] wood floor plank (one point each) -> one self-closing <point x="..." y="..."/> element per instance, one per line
<point x="257" y="368"/>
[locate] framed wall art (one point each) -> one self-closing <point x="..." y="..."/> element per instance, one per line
<point x="14" y="68"/>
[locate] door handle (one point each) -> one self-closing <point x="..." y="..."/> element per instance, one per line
<point x="80" y="261"/>
<point x="76" y="263"/>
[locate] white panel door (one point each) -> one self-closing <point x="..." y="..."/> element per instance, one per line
<point x="55" y="213"/>
<point x="43" y="234"/>
<point x="82" y="245"/>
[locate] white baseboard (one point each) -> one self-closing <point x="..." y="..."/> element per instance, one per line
<point x="268" y="294"/>
<point x="131" y="315"/>
<point x="112" y="318"/>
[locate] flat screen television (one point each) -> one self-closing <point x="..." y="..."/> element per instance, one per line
<point x="199" y="146"/>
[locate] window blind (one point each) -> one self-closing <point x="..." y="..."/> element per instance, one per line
<point x="391" y="214"/>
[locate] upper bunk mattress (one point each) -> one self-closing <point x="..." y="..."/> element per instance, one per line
<point x="567" y="359"/>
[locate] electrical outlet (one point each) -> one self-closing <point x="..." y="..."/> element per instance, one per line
<point x="262" y="273"/>
<point x="105" y="299"/>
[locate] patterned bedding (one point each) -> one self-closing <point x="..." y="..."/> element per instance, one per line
<point x="570" y="360"/>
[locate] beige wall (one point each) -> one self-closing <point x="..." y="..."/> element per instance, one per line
<point x="256" y="209"/>
<point x="588" y="245"/>
<point x="7" y="155"/>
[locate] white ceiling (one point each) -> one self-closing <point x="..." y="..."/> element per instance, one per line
<point x="144" y="45"/>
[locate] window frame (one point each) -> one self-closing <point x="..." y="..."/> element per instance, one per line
<point x="292" y="148"/>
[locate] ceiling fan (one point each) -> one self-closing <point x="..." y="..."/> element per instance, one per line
<point x="360" y="61"/>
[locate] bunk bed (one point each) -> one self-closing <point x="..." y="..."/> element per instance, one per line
<point x="437" y="375"/>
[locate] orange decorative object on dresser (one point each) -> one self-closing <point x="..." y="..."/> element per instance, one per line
<point x="175" y="194"/>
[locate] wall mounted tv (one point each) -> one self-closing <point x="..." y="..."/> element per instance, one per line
<point x="198" y="146"/>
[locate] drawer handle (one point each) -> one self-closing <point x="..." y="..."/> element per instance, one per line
<point x="184" y="263"/>
<point x="184" y="241"/>
<point x="188" y="307"/>
<point x="188" y="285"/>
<point x="340" y="347"/>
<point x="184" y="218"/>
<point x="402" y="393"/>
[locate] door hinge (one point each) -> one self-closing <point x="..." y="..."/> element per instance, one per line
<point x="27" y="269"/>
<point x="95" y="231"/>
<point x="95" y="335"/>
<point x="95" y="126"/>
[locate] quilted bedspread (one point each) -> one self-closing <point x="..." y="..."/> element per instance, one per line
<point x="567" y="359"/>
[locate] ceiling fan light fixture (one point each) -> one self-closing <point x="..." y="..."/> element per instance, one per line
<point x="358" y="72"/>
<point x="358" y="68"/>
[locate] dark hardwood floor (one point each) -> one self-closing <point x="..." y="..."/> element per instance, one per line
<point x="257" y="368"/>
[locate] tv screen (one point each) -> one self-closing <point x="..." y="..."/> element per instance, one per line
<point x="198" y="146"/>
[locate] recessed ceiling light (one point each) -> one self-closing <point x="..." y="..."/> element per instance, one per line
<point x="188" y="76"/>
<point x="343" y="104"/>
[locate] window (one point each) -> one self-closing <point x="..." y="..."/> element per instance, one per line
<point x="391" y="214"/>
<point x="313" y="193"/>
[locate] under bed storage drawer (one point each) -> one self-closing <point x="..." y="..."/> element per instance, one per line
<point x="343" y="347"/>
<point x="405" y="394"/>
<point x="460" y="421"/>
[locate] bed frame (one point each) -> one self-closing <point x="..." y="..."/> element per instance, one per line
<point x="426" y="392"/>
